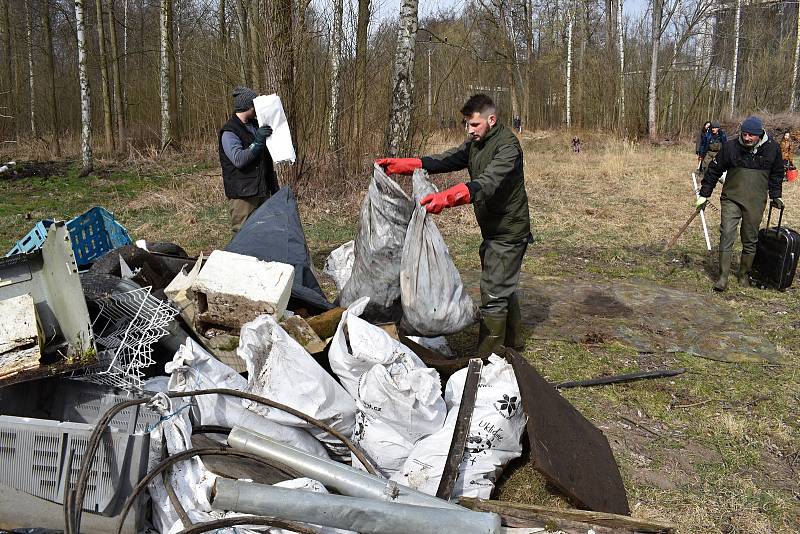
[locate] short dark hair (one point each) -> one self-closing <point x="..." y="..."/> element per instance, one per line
<point x="479" y="103"/>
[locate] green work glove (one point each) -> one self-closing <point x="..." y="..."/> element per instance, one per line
<point x="777" y="203"/>
<point x="260" y="140"/>
<point x="700" y="203"/>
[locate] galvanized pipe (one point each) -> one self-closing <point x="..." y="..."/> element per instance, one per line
<point x="366" y="516"/>
<point x="333" y="475"/>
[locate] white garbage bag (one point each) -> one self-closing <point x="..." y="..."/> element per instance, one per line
<point x="398" y="404"/>
<point x="279" y="368"/>
<point x="439" y="344"/>
<point x="434" y="299"/>
<point x="498" y="422"/>
<point x="193" y="368"/>
<point x="379" y="244"/>
<point x="339" y="264"/>
<point x="368" y="345"/>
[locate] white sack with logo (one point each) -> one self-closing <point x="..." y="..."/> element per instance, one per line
<point x="498" y="422"/>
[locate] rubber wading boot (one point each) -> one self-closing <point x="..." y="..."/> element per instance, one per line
<point x="492" y="333"/>
<point x="724" y="270"/>
<point x="514" y="324"/>
<point x="745" y="266"/>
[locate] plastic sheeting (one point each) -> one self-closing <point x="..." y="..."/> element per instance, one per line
<point x="433" y="297"/>
<point x="274" y="232"/>
<point x="378" y="246"/>
<point x="339" y="264"/>
<point x="269" y="111"/>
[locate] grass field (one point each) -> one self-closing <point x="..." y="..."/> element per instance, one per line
<point x="713" y="451"/>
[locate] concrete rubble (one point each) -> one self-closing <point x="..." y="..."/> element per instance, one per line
<point x="258" y="396"/>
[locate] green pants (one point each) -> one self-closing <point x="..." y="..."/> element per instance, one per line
<point x="241" y="208"/>
<point x="500" y="267"/>
<point x="733" y="214"/>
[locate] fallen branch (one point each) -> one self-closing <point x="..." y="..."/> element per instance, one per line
<point x="616" y="379"/>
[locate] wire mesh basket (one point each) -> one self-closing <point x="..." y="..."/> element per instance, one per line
<point x="126" y="326"/>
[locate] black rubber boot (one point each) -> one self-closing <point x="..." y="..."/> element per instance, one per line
<point x="514" y="324"/>
<point x="724" y="270"/>
<point x="745" y="266"/>
<point x="492" y="334"/>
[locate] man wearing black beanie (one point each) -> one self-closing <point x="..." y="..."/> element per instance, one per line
<point x="248" y="173"/>
<point x="755" y="171"/>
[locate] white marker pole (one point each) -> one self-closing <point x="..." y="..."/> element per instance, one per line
<point x="702" y="213"/>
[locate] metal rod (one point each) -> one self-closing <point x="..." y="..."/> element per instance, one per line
<point x="366" y="516"/>
<point x="333" y="475"/>
<point x="702" y="213"/>
<point x="615" y="379"/>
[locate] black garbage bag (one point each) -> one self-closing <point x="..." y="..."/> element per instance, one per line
<point x="274" y="232"/>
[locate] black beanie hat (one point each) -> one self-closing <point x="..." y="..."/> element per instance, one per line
<point x="243" y="98"/>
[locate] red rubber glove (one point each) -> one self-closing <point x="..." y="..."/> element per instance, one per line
<point x="400" y="165"/>
<point x="455" y="196"/>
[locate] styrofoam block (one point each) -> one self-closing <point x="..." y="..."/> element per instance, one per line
<point x="233" y="289"/>
<point x="19" y="340"/>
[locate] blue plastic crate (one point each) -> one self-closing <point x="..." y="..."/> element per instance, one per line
<point x="33" y="240"/>
<point x="93" y="234"/>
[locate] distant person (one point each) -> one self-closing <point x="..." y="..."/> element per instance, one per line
<point x="787" y="151"/>
<point x="517" y="122"/>
<point x="576" y="144"/>
<point x="711" y="145"/>
<point x="706" y="128"/>
<point x="248" y="173"/>
<point x="496" y="189"/>
<point x="755" y="171"/>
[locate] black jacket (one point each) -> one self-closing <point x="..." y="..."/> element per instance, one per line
<point x="766" y="157"/>
<point x="258" y="178"/>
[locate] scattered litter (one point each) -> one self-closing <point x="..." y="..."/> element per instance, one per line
<point x="339" y="264"/>
<point x="434" y="300"/>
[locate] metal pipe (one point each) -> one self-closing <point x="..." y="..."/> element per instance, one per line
<point x="333" y="475"/>
<point x="366" y="516"/>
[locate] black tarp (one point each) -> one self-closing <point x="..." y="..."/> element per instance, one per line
<point x="274" y="233"/>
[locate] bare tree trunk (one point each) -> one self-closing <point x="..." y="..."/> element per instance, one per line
<point x="361" y="70"/>
<point x="178" y="46"/>
<point x="244" y="56"/>
<point x="402" y="80"/>
<point x="652" y="96"/>
<point x="86" y="95"/>
<point x="108" y="126"/>
<point x="735" y="66"/>
<point x="621" y="36"/>
<point x="672" y="84"/>
<point x="51" y="74"/>
<point x="164" y="75"/>
<point x="223" y="31"/>
<point x="336" y="82"/>
<point x="255" y="49"/>
<point x="793" y="102"/>
<point x="119" y="103"/>
<point x="9" y="68"/>
<point x="125" y="58"/>
<point x="31" y="80"/>
<point x="570" y="23"/>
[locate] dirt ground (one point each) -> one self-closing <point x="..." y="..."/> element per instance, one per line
<point x="714" y="450"/>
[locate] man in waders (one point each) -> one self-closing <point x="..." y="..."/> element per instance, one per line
<point x="493" y="157"/>
<point x="710" y="145"/>
<point x="755" y="171"/>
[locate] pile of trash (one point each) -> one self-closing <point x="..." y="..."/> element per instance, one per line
<point x="153" y="390"/>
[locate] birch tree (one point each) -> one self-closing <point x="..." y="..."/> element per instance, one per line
<point x="108" y="124"/>
<point x="570" y="23"/>
<point x="335" y="51"/>
<point x="51" y="74"/>
<point x="735" y="65"/>
<point x="86" y="97"/>
<point x="10" y="111"/>
<point x="652" y="94"/>
<point x="402" y="90"/>
<point x="164" y="76"/>
<point x="31" y="79"/>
